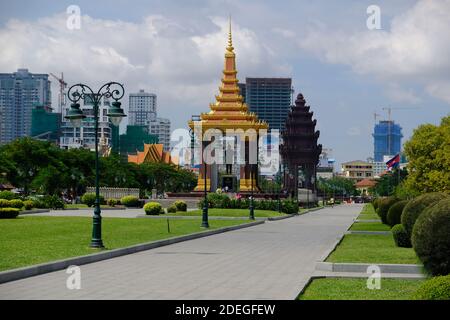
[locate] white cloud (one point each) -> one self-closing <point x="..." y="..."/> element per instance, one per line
<point x="159" y="55"/>
<point x="414" y="50"/>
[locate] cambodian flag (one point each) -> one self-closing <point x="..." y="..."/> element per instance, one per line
<point x="394" y="162"/>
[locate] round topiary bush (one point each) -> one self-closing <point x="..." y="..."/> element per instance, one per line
<point x="394" y="214"/>
<point x="416" y="206"/>
<point x="89" y="199"/>
<point x="28" y="204"/>
<point x="437" y="288"/>
<point x="383" y="207"/>
<point x="431" y="238"/>
<point x="401" y="238"/>
<point x="16" y="203"/>
<point x="375" y="203"/>
<point x="130" y="201"/>
<point x="172" y="209"/>
<point x="153" y="208"/>
<point x="180" y="205"/>
<point x="9" y="213"/>
<point x="8" y="195"/>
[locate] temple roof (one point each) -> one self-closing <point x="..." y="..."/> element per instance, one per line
<point x="152" y="153"/>
<point x="229" y="111"/>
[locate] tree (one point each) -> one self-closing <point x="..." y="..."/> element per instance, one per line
<point x="337" y="186"/>
<point x="428" y="154"/>
<point x="388" y="183"/>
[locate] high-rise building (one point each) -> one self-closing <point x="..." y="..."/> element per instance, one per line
<point x="143" y="112"/>
<point x="161" y="128"/>
<point x="45" y="124"/>
<point x="20" y="92"/>
<point x="132" y="141"/>
<point x="142" y="108"/>
<point x="387" y="137"/>
<point x="84" y="136"/>
<point x="269" y="98"/>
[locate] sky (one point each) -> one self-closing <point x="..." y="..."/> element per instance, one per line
<point x="175" y="49"/>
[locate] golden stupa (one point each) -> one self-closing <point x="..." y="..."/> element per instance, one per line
<point x="229" y="112"/>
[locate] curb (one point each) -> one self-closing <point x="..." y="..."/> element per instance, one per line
<point x="362" y="267"/>
<point x="34" y="211"/>
<point x="368" y="232"/>
<point x="102" y="209"/>
<point x="25" y="272"/>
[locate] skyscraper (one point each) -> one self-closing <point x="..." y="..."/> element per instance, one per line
<point x="142" y="108"/>
<point x="269" y="98"/>
<point x="387" y="137"/>
<point x="161" y="128"/>
<point x="20" y="92"/>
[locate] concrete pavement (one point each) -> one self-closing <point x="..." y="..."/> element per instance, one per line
<point x="269" y="261"/>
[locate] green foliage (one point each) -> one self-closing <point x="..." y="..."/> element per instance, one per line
<point x="89" y="199"/>
<point x="53" y="202"/>
<point x="28" y="204"/>
<point x="9" y="213"/>
<point x="415" y="208"/>
<point x="401" y="237"/>
<point x="216" y="200"/>
<point x="437" y="288"/>
<point x="172" y="208"/>
<point x="153" y="208"/>
<point x="428" y="153"/>
<point x="395" y="213"/>
<point x="337" y="186"/>
<point x="16" y="203"/>
<point x="289" y="207"/>
<point x="8" y="195"/>
<point x="130" y="201"/>
<point x="180" y="205"/>
<point x="431" y="238"/>
<point x="383" y="207"/>
<point x="112" y="202"/>
<point x="4" y="203"/>
<point x="375" y="203"/>
<point x="388" y="183"/>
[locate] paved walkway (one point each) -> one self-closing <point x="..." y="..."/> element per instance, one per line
<point x="269" y="261"/>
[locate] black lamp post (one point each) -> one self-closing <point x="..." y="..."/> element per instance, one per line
<point x="251" y="207"/>
<point x="112" y="90"/>
<point x="205" y="223"/>
<point x="279" y="188"/>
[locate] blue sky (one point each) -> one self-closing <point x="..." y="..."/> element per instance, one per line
<point x="175" y="49"/>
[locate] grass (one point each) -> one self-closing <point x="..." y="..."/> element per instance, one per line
<point x="370" y="226"/>
<point x="31" y="240"/>
<point x="368" y="213"/>
<point x="230" y="213"/>
<point x="362" y="248"/>
<point x="356" y="289"/>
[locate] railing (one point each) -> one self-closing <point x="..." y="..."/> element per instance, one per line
<point x="115" y="193"/>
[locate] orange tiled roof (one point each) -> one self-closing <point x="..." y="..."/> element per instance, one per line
<point x="365" y="183"/>
<point x="152" y="153"/>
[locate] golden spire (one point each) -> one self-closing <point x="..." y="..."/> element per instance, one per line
<point x="230" y="39"/>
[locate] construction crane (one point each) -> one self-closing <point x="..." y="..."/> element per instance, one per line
<point x="389" y="110"/>
<point x="375" y="116"/>
<point x="62" y="87"/>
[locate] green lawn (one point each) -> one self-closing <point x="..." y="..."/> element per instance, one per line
<point x="370" y="226"/>
<point x="230" y="213"/>
<point x="356" y="289"/>
<point x="32" y="240"/>
<point x="368" y="213"/>
<point x="362" y="248"/>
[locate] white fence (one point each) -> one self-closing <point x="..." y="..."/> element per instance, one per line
<point x="115" y="193"/>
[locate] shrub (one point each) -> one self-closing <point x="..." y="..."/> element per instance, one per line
<point x="9" y="213"/>
<point x="89" y="199"/>
<point x="4" y="203"/>
<point x="437" y="288"/>
<point x="180" y="205"/>
<point x="16" y="203"/>
<point x="112" y="202"/>
<point x="415" y="208"/>
<point x="53" y="202"/>
<point x="8" y="195"/>
<point x="216" y="200"/>
<point x="28" y="204"/>
<point x="172" y="209"/>
<point x="383" y="208"/>
<point x="395" y="213"/>
<point x="431" y="238"/>
<point x="375" y="203"/>
<point x="401" y="238"/>
<point x="130" y="201"/>
<point x="153" y="208"/>
<point x="289" y="207"/>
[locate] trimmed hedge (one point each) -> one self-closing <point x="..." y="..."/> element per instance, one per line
<point x="172" y="209"/>
<point x="431" y="238"/>
<point x="130" y="201"/>
<point x="9" y="213"/>
<point x="401" y="238"/>
<point x="416" y="206"/>
<point x="437" y="288"/>
<point x="89" y="199"/>
<point x="28" y="204"/>
<point x="394" y="214"/>
<point x="153" y="208"/>
<point x="383" y="207"/>
<point x="4" y="203"/>
<point x="16" y="203"/>
<point x="8" y="195"/>
<point x="375" y="203"/>
<point x="180" y="205"/>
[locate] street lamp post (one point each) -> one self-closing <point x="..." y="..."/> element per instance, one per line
<point x="112" y="90"/>
<point x="251" y="207"/>
<point x="205" y="223"/>
<point x="279" y="188"/>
